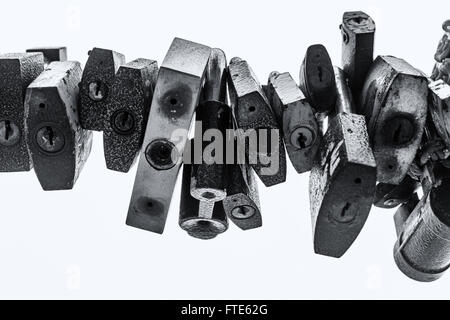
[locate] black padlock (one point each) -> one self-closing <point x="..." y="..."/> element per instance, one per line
<point x="127" y="111"/>
<point x="358" y="38"/>
<point x="200" y="219"/>
<point x="389" y="196"/>
<point x="177" y="94"/>
<point x="242" y="202"/>
<point x="51" y="54"/>
<point x="17" y="71"/>
<point x="296" y="117"/>
<point x="58" y="145"/>
<point x="213" y="117"/>
<point x="394" y="102"/>
<point x="317" y="80"/>
<point x="95" y="87"/>
<point x="422" y="251"/>
<point x="256" y="124"/>
<point x="342" y="183"/>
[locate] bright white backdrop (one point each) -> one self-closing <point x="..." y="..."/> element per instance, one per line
<point x="76" y="245"/>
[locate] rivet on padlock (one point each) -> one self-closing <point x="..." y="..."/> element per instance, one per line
<point x="200" y="219"/>
<point x="317" y="80"/>
<point x="127" y="111"/>
<point x="342" y="184"/>
<point x="213" y="115"/>
<point x="253" y="114"/>
<point x="58" y="145"/>
<point x="51" y="54"/>
<point x="296" y="117"/>
<point x="422" y="251"/>
<point x="358" y="37"/>
<point x="17" y="71"/>
<point x="394" y="102"/>
<point x="98" y="77"/>
<point x="177" y="94"/>
<point x="389" y="196"/>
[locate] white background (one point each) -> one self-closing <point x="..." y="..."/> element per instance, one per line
<point x="76" y="245"/>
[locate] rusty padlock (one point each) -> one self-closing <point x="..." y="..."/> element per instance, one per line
<point x="58" y="145"/>
<point x="51" y="54"/>
<point x="127" y="111"/>
<point x="342" y="183"/>
<point x="358" y="38"/>
<point x="95" y="87"/>
<point x="17" y="71"/>
<point x="296" y="117"/>
<point x="177" y="94"/>
<point x="256" y="124"/>
<point x="317" y="79"/>
<point x="394" y="102"/>
<point x="422" y="251"/>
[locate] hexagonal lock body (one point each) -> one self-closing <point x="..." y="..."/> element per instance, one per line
<point x="58" y="145"/>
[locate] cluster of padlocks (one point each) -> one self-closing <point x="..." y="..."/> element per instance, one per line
<point x="371" y="132"/>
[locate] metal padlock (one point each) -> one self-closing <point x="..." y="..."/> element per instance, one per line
<point x="296" y="117"/>
<point x="255" y="119"/>
<point x="242" y="202"/>
<point x="51" y="54"/>
<point x="95" y="87"/>
<point x="389" y="196"/>
<point x="317" y="80"/>
<point x="342" y="184"/>
<point x="422" y="251"/>
<point x="58" y="145"/>
<point x="358" y="37"/>
<point x="177" y="94"/>
<point x="212" y="121"/>
<point x="17" y="71"/>
<point x="127" y="111"/>
<point x="200" y="219"/>
<point x="394" y="102"/>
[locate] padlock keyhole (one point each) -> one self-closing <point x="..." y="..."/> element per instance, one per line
<point x="8" y="130"/>
<point x="302" y="141"/>
<point x="345" y="209"/>
<point x="320" y="73"/>
<point x="50" y="135"/>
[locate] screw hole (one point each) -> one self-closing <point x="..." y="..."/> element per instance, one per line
<point x="350" y="131"/>
<point x="42" y="105"/>
<point x="358" y="181"/>
<point x="252" y="109"/>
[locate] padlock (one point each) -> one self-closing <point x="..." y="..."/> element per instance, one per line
<point x="296" y="117"/>
<point x="317" y="79"/>
<point x="58" y="145"/>
<point x="200" y="219"/>
<point x="394" y="102"/>
<point x="422" y="251"/>
<point x="242" y="202"/>
<point x="404" y="211"/>
<point x="51" y="54"/>
<point x="256" y="124"/>
<point x="127" y="111"/>
<point x="95" y="87"/>
<point x="342" y="183"/>
<point x="17" y="71"/>
<point x="439" y="108"/>
<point x="212" y="121"/>
<point x="389" y="196"/>
<point x="177" y="94"/>
<point x="358" y="37"/>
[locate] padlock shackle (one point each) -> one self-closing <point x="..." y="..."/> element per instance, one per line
<point x="215" y="88"/>
<point x="344" y="101"/>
